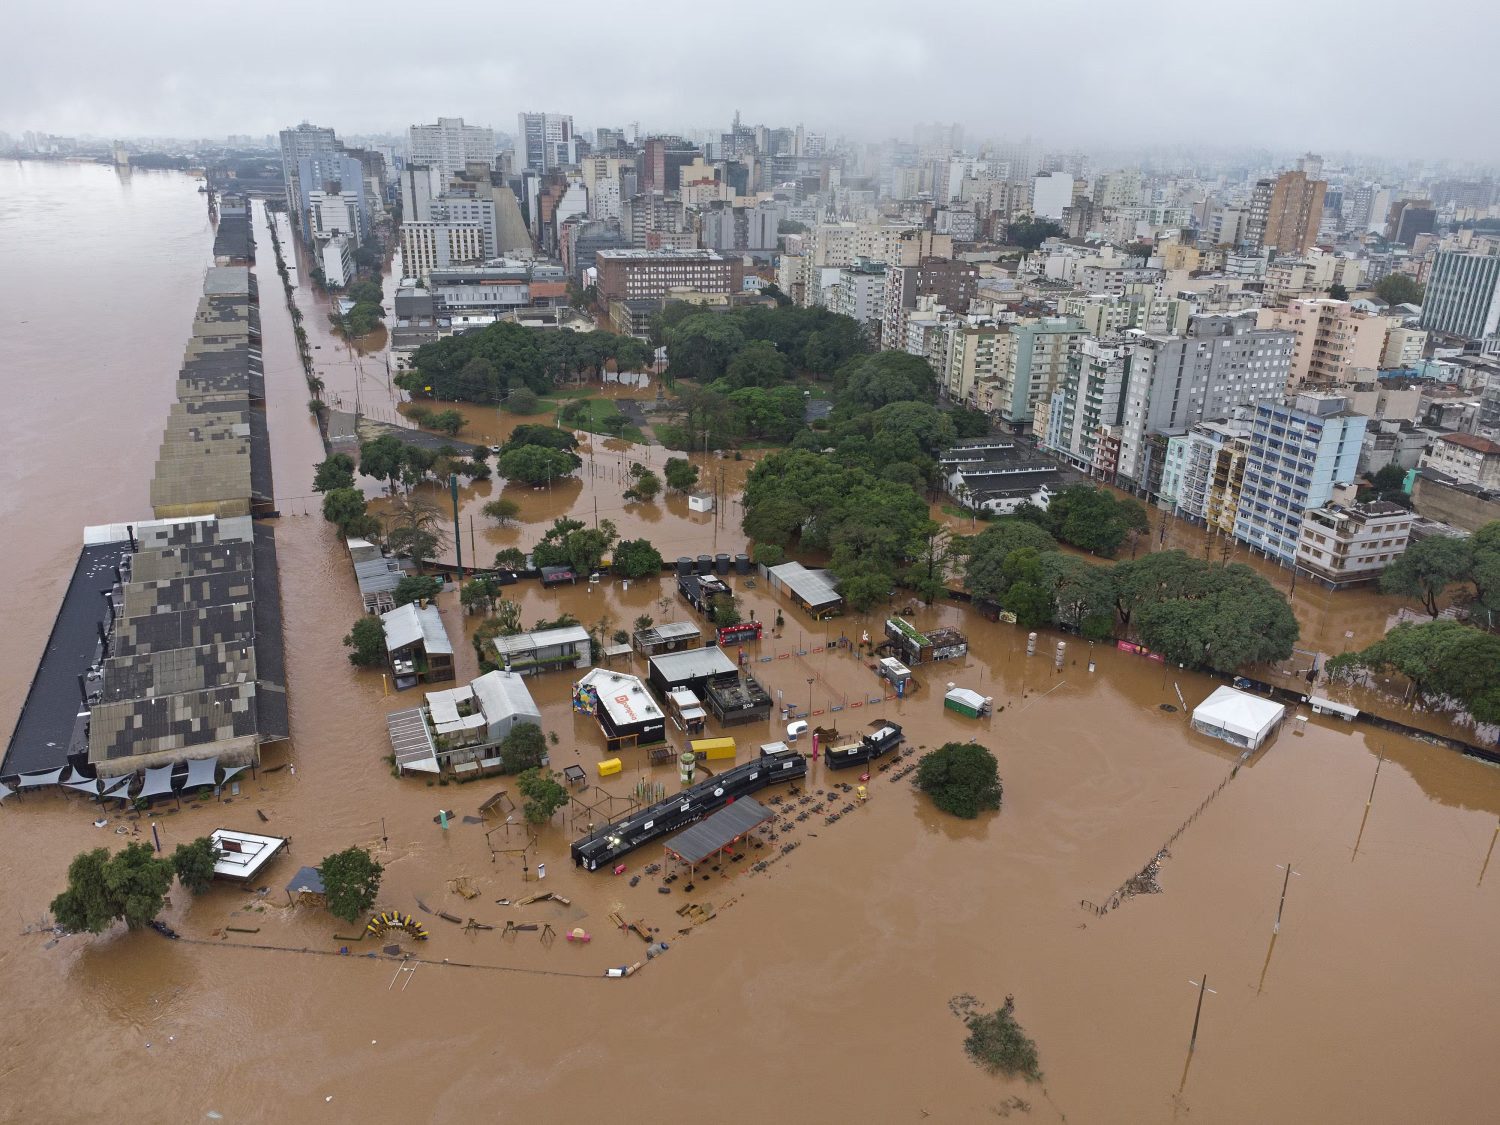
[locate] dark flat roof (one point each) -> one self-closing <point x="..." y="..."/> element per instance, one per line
<point x="719" y="831"/>
<point x="45" y="729"/>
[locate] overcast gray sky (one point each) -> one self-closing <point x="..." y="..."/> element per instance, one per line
<point x="1377" y="76"/>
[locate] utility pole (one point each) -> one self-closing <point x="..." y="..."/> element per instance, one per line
<point x="1282" y="906"/>
<point x="458" y="535"/>
<point x="1379" y="761"/>
<point x="1487" y="855"/>
<point x="1202" y="987"/>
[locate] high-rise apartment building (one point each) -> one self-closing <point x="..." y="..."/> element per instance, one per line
<point x="1332" y="340"/>
<point x="1126" y="395"/>
<point x="1463" y="294"/>
<point x="545" y="142"/>
<point x="1297" y="454"/>
<point x="450" y="144"/>
<point x="1285" y="213"/>
<point x="305" y="142"/>
<point x="1037" y="365"/>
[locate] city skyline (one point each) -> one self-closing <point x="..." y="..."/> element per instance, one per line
<point x="1059" y="73"/>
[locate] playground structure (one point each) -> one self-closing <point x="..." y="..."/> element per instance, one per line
<point x="381" y="924"/>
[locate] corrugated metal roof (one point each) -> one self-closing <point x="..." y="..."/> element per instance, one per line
<point x="407" y="625"/>
<point x="812" y="586"/>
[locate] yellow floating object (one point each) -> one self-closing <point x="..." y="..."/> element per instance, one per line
<point x="714" y="749"/>
<point x="610" y="766"/>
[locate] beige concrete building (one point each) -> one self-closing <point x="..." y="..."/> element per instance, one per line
<point x="1285" y="213"/>
<point x="1466" y="459"/>
<point x="426" y="246"/>
<point x="1344" y="546"/>
<point x="977" y="353"/>
<point x="1403" y="346"/>
<point x="1333" y="340"/>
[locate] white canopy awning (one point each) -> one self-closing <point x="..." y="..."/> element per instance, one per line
<point x="231" y="771"/>
<point x="118" y="786"/>
<point x="201" y="771"/>
<point x="158" y="782"/>
<point x="76" y="780"/>
<point x="34" y="780"/>
<point x="5" y="791"/>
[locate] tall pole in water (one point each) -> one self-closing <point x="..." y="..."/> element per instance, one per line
<point x="458" y="535"/>
<point x="1198" y="1015"/>
<point x="1282" y="906"/>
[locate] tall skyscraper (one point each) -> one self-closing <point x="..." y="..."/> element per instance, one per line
<point x="1463" y="294"/>
<point x="450" y="144"/>
<point x="305" y="142"/>
<point x="544" y="141"/>
<point x="1285" y="213"/>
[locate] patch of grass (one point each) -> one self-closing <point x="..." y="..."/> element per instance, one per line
<point x="963" y="513"/>
<point x="596" y="420"/>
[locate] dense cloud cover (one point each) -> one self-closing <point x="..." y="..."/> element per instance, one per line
<point x="1284" y="74"/>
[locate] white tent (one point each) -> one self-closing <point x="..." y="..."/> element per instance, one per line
<point x="1237" y="717"/>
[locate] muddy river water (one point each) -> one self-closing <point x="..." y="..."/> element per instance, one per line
<point x="820" y="990"/>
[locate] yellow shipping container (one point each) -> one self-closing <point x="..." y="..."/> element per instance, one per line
<point x="609" y="766"/>
<point x="714" y="749"/>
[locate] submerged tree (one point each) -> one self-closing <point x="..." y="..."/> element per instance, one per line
<point x="103" y="889"/>
<point x="962" y="778"/>
<point x="194" y="864"/>
<point x="351" y="881"/>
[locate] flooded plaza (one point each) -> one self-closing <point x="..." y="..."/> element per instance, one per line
<point x="820" y="989"/>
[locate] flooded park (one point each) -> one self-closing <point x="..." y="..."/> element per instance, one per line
<point x="814" y="979"/>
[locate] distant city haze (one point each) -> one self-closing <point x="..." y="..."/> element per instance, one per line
<point x="1281" y="75"/>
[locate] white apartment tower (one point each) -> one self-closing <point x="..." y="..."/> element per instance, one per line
<point x="450" y="144"/>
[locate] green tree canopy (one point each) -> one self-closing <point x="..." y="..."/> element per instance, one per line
<point x="757" y="364"/>
<point x="501" y="510"/>
<point x="702" y="346"/>
<point x="351" y="882"/>
<point x="543" y="795"/>
<point x="962" y="778"/>
<point x="1443" y="659"/>
<point x="681" y="474"/>
<point x="984" y="572"/>
<point x="1426" y="569"/>
<point x="335" y="472"/>
<point x="523" y="748"/>
<point x="512" y="358"/>
<point x="1231" y="617"/>
<point x="346" y="508"/>
<point x="872" y="381"/>
<point x="569" y="543"/>
<point x="637" y="558"/>
<point x="549" y="437"/>
<point x="416" y="587"/>
<point x="1030" y="233"/>
<point x="367" y="639"/>
<point x="130" y="885"/>
<point x="1398" y="289"/>
<point x="1094" y="519"/>
<point x="644" y="484"/>
<point x="537" y="464"/>
<point x="194" y="864"/>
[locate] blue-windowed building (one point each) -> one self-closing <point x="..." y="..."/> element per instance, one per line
<point x="1297" y="454"/>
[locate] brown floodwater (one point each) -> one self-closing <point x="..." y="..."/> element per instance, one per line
<point x="820" y="991"/>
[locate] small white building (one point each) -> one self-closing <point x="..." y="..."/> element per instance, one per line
<point x="700" y="502"/>
<point x="1237" y="717"/>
